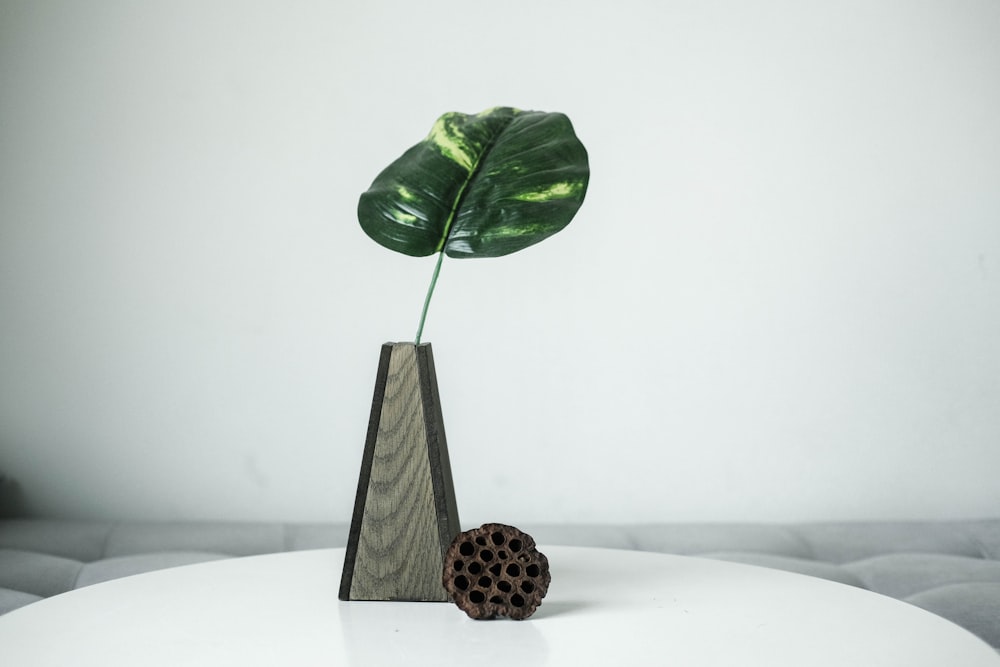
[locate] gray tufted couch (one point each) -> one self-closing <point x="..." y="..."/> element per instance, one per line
<point x="950" y="568"/>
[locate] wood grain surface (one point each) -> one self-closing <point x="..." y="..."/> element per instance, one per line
<point x="405" y="514"/>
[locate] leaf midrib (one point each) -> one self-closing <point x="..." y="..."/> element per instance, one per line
<point x="461" y="192"/>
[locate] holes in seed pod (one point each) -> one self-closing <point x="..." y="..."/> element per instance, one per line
<point x="496" y="571"/>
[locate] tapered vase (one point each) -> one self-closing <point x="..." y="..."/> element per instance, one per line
<point x="405" y="514"/>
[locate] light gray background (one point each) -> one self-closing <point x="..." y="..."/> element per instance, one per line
<point x="780" y="301"/>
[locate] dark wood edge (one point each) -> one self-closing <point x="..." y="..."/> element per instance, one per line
<point x="445" y="503"/>
<point x="366" y="470"/>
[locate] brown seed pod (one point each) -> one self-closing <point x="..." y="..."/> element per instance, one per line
<point x="495" y="570"/>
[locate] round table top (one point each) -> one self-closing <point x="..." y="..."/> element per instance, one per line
<point x="604" y="606"/>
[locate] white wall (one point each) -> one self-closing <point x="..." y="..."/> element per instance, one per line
<point x="780" y="301"/>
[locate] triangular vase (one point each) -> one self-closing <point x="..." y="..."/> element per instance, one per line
<point x="405" y="514"/>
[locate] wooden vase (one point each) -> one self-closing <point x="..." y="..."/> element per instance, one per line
<point x="405" y="514"/>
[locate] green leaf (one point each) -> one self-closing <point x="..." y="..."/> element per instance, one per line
<point x="482" y="185"/>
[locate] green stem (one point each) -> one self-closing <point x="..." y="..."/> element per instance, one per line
<point x="427" y="299"/>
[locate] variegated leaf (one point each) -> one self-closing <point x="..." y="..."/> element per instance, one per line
<point x="481" y="185"/>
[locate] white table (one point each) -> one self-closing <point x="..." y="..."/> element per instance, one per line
<point x="604" y="607"/>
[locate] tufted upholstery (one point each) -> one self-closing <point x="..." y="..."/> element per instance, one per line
<point x="949" y="568"/>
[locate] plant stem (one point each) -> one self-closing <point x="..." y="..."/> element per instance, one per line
<point x="427" y="299"/>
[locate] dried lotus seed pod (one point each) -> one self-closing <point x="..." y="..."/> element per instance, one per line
<point x="495" y="570"/>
